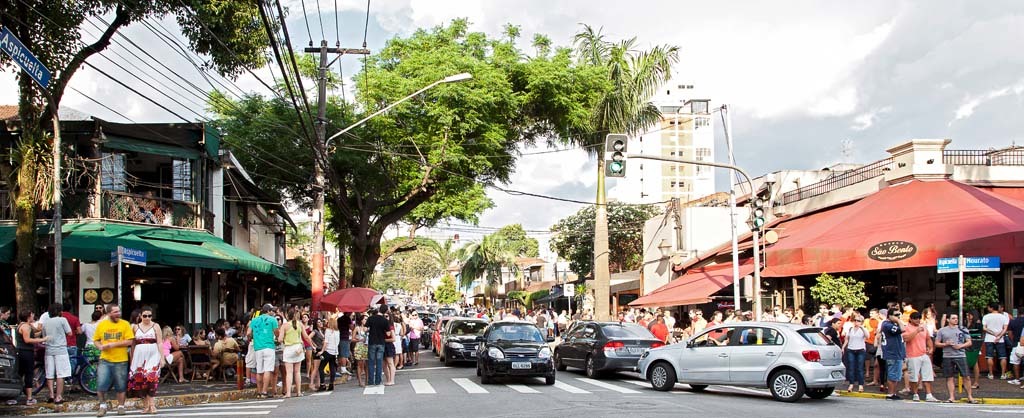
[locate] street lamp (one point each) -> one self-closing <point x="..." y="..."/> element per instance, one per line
<point x="665" y="247"/>
<point x="450" y="79"/>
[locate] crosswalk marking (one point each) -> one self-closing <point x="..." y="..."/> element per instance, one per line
<point x="569" y="388"/>
<point x="374" y="390"/>
<point x="468" y="385"/>
<point x="608" y="386"/>
<point x="421" y="386"/>
<point x="522" y="389"/>
<point x="321" y="393"/>
<point x="635" y="382"/>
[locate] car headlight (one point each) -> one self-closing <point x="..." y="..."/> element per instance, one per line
<point x="544" y="353"/>
<point x="494" y="352"/>
<point x="456" y="345"/>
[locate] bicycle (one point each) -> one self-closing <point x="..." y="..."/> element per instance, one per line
<point x="84" y="375"/>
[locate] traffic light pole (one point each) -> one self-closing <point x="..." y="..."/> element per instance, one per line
<point x="755" y="236"/>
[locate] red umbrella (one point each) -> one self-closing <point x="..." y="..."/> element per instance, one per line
<point x="352" y="299"/>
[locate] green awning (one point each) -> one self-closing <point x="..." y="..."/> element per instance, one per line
<point x="7" y="241"/>
<point x="128" y="144"/>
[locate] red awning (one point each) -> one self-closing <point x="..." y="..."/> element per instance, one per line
<point x="907" y="225"/>
<point x="695" y="287"/>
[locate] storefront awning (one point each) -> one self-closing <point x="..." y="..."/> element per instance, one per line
<point x="901" y="226"/>
<point x="695" y="287"/>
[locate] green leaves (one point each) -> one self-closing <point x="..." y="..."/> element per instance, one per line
<point x="447" y="293"/>
<point x="844" y="291"/>
<point x="574" y="237"/>
<point x="979" y="291"/>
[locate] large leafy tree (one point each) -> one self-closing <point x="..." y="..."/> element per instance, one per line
<point x="487" y="259"/>
<point x="430" y="158"/>
<point x="517" y="240"/>
<point x="227" y="31"/>
<point x="447" y="293"/>
<point x="573" y="238"/>
<point x="635" y="76"/>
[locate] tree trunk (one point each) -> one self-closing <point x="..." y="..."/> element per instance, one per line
<point x="25" y="234"/>
<point x="365" y="255"/>
<point x="602" y="279"/>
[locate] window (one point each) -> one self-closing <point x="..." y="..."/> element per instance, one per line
<point x="626" y="331"/>
<point x="112" y="176"/>
<point x="814" y="336"/>
<point x="699" y="106"/>
<point x="460" y="328"/>
<point x="702" y="153"/>
<point x="714" y="338"/>
<point x="181" y="180"/>
<point x="760" y="336"/>
<point x="515" y="332"/>
<point x="701" y="122"/>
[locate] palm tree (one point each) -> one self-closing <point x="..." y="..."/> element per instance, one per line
<point x="486" y="259"/>
<point x="443" y="253"/>
<point x="634" y="76"/>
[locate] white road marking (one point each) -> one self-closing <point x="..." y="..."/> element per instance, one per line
<point x="374" y="390"/>
<point x="420" y="370"/>
<point x="522" y="389"/>
<point x="177" y="414"/>
<point x="215" y="407"/>
<point x="1001" y="411"/>
<point x="468" y="385"/>
<point x="422" y="386"/>
<point x="322" y="393"/>
<point x="636" y="382"/>
<point x="608" y="386"/>
<point x="569" y="388"/>
<point x="748" y="390"/>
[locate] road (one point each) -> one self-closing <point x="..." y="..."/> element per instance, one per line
<point x="434" y="391"/>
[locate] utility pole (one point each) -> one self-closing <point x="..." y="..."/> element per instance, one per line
<point x="319" y="223"/>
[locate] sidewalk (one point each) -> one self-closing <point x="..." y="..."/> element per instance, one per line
<point x="995" y="392"/>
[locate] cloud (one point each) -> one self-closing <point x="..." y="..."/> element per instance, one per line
<point x="966" y="109"/>
<point x="865" y="120"/>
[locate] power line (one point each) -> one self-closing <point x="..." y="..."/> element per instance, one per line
<point x="321" y="18"/>
<point x="305" y="18"/>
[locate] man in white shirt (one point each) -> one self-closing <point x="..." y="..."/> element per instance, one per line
<point x="995" y="324"/>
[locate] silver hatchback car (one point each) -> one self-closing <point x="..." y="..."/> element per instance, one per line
<point x="790" y="360"/>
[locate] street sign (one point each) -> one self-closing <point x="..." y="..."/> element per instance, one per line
<point x="971" y="264"/>
<point x="132" y="256"/>
<point x="947" y="265"/>
<point x="569" y="290"/>
<point x="24" y="58"/>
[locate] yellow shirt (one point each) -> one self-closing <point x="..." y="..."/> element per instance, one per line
<point x="108" y="332"/>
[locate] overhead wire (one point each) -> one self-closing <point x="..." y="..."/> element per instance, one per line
<point x="321" y="18"/>
<point x="305" y="18"/>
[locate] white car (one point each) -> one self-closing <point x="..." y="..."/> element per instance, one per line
<point x="790" y="360"/>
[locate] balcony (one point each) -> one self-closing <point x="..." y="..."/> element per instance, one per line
<point x="124" y="207"/>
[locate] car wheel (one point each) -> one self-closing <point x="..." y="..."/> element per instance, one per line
<point x="663" y="377"/>
<point x="549" y="380"/>
<point x="448" y="362"/>
<point x="698" y="388"/>
<point x="558" y="362"/>
<point x="786" y="386"/>
<point x="820" y="393"/>
<point x="590" y="369"/>
<point x="478" y="369"/>
<point x="485" y="379"/>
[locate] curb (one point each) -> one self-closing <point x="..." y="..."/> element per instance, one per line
<point x="985" y="401"/>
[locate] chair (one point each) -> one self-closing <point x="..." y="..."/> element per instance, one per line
<point x="200" y="357"/>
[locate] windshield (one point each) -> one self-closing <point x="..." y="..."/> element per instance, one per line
<point x="468" y="328"/>
<point x="627" y="331"/>
<point x="813" y="336"/>
<point x="516" y="332"/>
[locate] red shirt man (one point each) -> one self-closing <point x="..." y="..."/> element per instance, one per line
<point x="660" y="330"/>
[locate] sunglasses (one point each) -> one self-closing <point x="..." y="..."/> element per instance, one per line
<point x="147" y="316"/>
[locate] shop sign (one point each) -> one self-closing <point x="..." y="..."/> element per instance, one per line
<point x="891" y="251"/>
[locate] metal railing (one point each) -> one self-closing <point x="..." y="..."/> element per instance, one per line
<point x="838" y="181"/>
<point x="1008" y="156"/>
<point x="150" y="210"/>
<point x="74" y="205"/>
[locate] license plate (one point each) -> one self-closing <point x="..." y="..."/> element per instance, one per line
<point x="636" y="350"/>
<point x="5" y="362"/>
<point x="472" y="353"/>
<point x="522" y="365"/>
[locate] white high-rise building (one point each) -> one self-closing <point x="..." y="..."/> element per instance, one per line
<point x="686" y="130"/>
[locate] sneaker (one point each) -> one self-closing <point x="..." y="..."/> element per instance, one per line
<point x="931" y="398"/>
<point x="905" y="392"/>
<point x="31" y="402"/>
<point x="12" y="402"/>
<point x="1014" y="382"/>
<point x="916" y="398"/>
<point x="120" y="409"/>
<point x="102" y="410"/>
<point x="991" y="376"/>
<point x="893" y="397"/>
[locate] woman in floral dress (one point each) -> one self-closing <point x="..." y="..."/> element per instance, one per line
<point x="361" y="349"/>
<point x="144" y="372"/>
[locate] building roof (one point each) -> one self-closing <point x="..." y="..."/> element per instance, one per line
<point x="10" y="113"/>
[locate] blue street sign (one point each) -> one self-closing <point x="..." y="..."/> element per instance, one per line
<point x="24" y="58"/>
<point x="971" y="264"/>
<point x="947" y="265"/>
<point x="132" y="256"/>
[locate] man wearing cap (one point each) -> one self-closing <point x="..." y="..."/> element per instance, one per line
<point x="262" y="331"/>
<point x="894" y="350"/>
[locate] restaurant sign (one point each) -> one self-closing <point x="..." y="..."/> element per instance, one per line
<point x="891" y="251"/>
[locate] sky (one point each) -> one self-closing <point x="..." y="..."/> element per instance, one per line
<point x="800" y="77"/>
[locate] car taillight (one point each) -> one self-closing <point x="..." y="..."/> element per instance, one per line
<point x="657" y="344"/>
<point x="812" y="355"/>
<point x="611" y="345"/>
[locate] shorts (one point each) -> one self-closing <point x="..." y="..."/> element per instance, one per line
<point x="294" y="354"/>
<point x="264" y="360"/>
<point x="57" y="366"/>
<point x="112" y="376"/>
<point x="250" y="358"/>
<point x="995" y="350"/>
<point x="169" y="358"/>
<point x="1016" y="355"/>
<point x="951" y="367"/>
<point x="919" y="369"/>
<point x="345" y="349"/>
<point x="389" y="349"/>
<point x="414" y="345"/>
<point x="894" y="370"/>
<point x="398" y="347"/>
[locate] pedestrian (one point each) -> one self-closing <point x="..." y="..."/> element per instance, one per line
<point x="144" y="373"/>
<point x="378" y="330"/>
<point x="659" y="329"/>
<point x="881" y="370"/>
<point x="389" y="353"/>
<point x="954" y="340"/>
<point x="972" y="322"/>
<point x="855" y="349"/>
<point x="893" y="351"/>
<point x="345" y="327"/>
<point x="362" y="350"/>
<point x="832" y="331"/>
<point x="292" y="334"/>
<point x="113" y="337"/>
<point x="316" y="337"/>
<point x="329" y="353"/>
<point x="995" y="325"/>
<point x="398" y="330"/>
<point x="262" y="334"/>
<point x="24" y="341"/>
<point x="415" y="333"/>
<point x="5" y="316"/>
<point x="307" y="346"/>
<point x="870" y="325"/>
<point x="58" y="365"/>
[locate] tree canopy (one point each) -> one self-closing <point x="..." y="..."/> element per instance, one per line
<point x="518" y="242"/>
<point x="574" y="237"/>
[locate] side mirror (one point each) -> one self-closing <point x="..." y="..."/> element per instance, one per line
<point x="550" y="339"/>
<point x="480" y="339"/>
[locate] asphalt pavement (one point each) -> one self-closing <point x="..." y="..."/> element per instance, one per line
<point x="431" y="390"/>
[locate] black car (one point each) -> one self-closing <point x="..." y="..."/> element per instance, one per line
<point x="459" y="343"/>
<point x="514" y="349"/>
<point x="10" y="383"/>
<point x="597" y="347"/>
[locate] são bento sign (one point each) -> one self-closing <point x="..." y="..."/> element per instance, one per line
<point x="891" y="251"/>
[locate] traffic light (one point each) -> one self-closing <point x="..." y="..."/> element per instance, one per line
<point x="615" y="155"/>
<point x="759" y="209"/>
